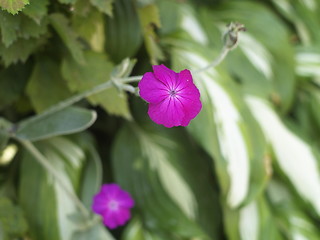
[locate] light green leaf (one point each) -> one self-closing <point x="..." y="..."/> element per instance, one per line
<point x="96" y="71"/>
<point x="46" y="86"/>
<point x="38" y="187"/>
<point x="97" y="231"/>
<point x="13" y="6"/>
<point x="91" y="28"/>
<point x="104" y="6"/>
<point x="61" y="25"/>
<point x="66" y="121"/>
<point x="149" y="20"/>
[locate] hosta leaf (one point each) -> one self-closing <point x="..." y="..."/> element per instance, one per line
<point x="65" y="121"/>
<point x="104" y="6"/>
<point x="293" y="154"/>
<point x="294" y="222"/>
<point x="122" y="28"/>
<point x="61" y="25"/>
<point x="162" y="176"/>
<point x="232" y="138"/>
<point x="13" y="6"/>
<point x="46" y="86"/>
<point x="38" y="187"/>
<point x="96" y="71"/>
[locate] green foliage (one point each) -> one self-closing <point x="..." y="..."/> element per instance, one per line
<point x="13" y="6"/>
<point x="246" y="168"/>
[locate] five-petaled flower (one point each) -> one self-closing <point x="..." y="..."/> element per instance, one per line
<point x="173" y="98"/>
<point x="113" y="204"/>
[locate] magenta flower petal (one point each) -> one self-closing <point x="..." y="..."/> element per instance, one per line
<point x="173" y="97"/>
<point x="113" y="204"/>
<point x="152" y="90"/>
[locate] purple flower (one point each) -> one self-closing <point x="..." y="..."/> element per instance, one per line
<point x="173" y="97"/>
<point x="113" y="204"/>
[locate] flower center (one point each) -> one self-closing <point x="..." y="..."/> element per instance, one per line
<point x="113" y="205"/>
<point x="172" y="93"/>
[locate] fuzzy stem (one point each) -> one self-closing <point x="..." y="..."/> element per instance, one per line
<point x="224" y="52"/>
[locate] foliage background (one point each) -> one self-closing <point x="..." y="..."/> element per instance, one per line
<point x="246" y="168"/>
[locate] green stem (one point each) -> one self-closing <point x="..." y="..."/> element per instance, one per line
<point x="47" y="165"/>
<point x="224" y="52"/>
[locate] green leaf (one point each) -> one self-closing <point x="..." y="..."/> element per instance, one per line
<point x="12" y="221"/>
<point x="37" y="9"/>
<point x="65" y="121"/>
<point x="5" y="127"/>
<point x="46" y="86"/>
<point x="162" y="175"/>
<point x="20" y="50"/>
<point x="68" y="1"/>
<point x="38" y="187"/>
<point x="8" y="26"/>
<point x="104" y="6"/>
<point x="69" y="37"/>
<point x="96" y="71"/>
<point x="13" y="6"/>
<point x="122" y="28"/>
<point x="149" y="20"/>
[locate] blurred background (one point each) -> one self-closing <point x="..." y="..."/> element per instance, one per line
<point x="247" y="167"/>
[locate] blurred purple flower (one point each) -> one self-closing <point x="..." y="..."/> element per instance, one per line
<point x="173" y="97"/>
<point x="113" y="204"/>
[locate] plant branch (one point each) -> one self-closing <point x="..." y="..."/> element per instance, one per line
<point x="47" y="165"/>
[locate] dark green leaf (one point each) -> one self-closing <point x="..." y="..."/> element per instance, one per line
<point x="37" y="9"/>
<point x="12" y="83"/>
<point x="68" y="36"/>
<point x="66" y="121"/>
<point x="20" y="50"/>
<point x="121" y="29"/>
